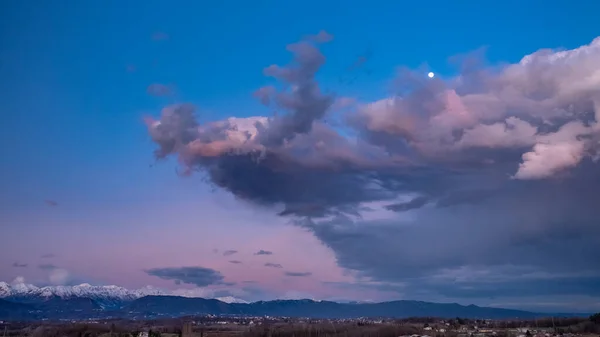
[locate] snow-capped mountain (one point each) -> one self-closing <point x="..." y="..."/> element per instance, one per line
<point x="108" y="295"/>
<point x="230" y="299"/>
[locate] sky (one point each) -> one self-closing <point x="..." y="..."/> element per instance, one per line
<point x="346" y="173"/>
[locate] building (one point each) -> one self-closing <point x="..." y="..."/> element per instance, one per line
<point x="186" y="330"/>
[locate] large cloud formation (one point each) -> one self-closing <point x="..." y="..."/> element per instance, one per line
<point x="495" y="169"/>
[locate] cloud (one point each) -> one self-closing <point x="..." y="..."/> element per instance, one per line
<point x="160" y="36"/>
<point x="417" y="202"/>
<point x="198" y="276"/>
<point x="263" y="252"/>
<point x="159" y="90"/>
<point x="56" y="275"/>
<point x="386" y="287"/>
<point x="59" y="276"/>
<point x="265" y="94"/>
<point x="273" y="265"/>
<point x="321" y="37"/>
<point x="492" y="170"/>
<point x="297" y="274"/>
<point x="51" y="203"/>
<point x="47" y="256"/>
<point x="235" y="262"/>
<point x="47" y="266"/>
<point x="19" y="265"/>
<point x="18" y="280"/>
<point x="229" y="252"/>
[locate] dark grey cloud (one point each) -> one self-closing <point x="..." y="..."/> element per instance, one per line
<point x="525" y="241"/>
<point x="273" y="265"/>
<point x="297" y="274"/>
<point x="406" y="206"/>
<point x="498" y="167"/>
<point x="235" y="261"/>
<point x="19" y="265"/>
<point x="229" y="252"/>
<point x="263" y="252"/>
<point x="387" y="287"/>
<point x="198" y="276"/>
<point x="539" y="287"/>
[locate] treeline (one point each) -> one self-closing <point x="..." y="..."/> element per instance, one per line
<point x="79" y="330"/>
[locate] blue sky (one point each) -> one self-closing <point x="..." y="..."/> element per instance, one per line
<point x="64" y="74"/>
<point x="72" y="111"/>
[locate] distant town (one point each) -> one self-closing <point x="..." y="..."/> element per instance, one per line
<point x="267" y="326"/>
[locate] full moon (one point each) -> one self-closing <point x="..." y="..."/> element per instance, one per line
<point x="430" y="75"/>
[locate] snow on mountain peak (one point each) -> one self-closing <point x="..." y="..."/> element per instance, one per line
<point x="107" y="292"/>
<point x="4" y="289"/>
<point x="230" y="299"/>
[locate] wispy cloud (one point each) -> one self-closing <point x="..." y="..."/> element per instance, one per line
<point x="235" y="262"/>
<point x="263" y="252"/>
<point x="159" y="90"/>
<point x="160" y="36"/>
<point x="51" y="203"/>
<point x="297" y="274"/>
<point x="19" y="265"/>
<point x="47" y="266"/>
<point x="321" y="37"/>
<point x="229" y="252"/>
<point x="198" y="276"/>
<point x="48" y="256"/>
<point x="273" y="265"/>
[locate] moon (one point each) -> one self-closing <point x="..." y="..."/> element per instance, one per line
<point x="430" y="75"/>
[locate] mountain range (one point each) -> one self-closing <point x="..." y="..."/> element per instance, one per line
<point x="28" y="302"/>
<point x="106" y="296"/>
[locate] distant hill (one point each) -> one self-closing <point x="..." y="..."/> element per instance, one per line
<point x="10" y="310"/>
<point x="173" y="306"/>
